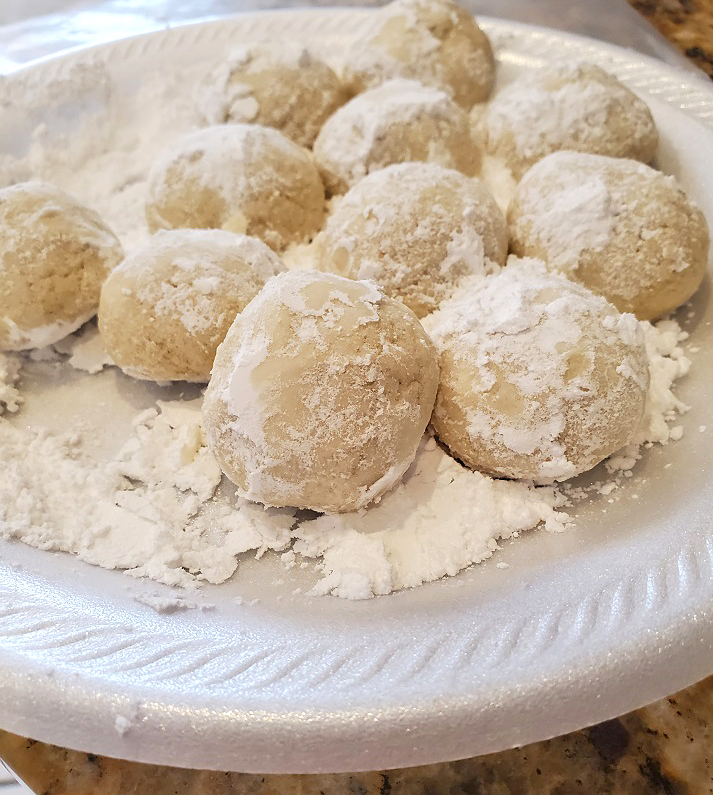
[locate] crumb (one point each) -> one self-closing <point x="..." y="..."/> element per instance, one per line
<point x="122" y="725"/>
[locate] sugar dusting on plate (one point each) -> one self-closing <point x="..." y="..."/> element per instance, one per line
<point x="155" y="509"/>
<point x="158" y="509"/>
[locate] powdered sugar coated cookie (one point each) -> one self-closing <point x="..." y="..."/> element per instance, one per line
<point x="320" y="393"/>
<point x="417" y="229"/>
<point x="278" y="84"/>
<point x="168" y="306"/>
<point x="433" y="41"/>
<point x="540" y="378"/>
<point x="397" y="122"/>
<point x="55" y="254"/>
<point x="579" y="107"/>
<point x="621" y="228"/>
<point x="245" y="178"/>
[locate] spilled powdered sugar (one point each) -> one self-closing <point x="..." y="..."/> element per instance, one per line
<point x="85" y="350"/>
<point x="39" y="336"/>
<point x="152" y="510"/>
<point x="668" y="363"/>
<point x="439" y="520"/>
<point x="10" y="398"/>
<point x="158" y="506"/>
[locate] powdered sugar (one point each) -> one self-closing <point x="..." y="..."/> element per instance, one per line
<point x="583" y="206"/>
<point x="498" y="179"/>
<point x="465" y="248"/>
<point x="667" y="363"/>
<point x="441" y="519"/>
<point x="157" y="508"/>
<point x="38" y="337"/>
<point x="85" y="350"/>
<point x="10" y="398"/>
<point x="149" y="510"/>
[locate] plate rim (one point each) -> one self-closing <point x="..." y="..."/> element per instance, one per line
<point x="694" y="98"/>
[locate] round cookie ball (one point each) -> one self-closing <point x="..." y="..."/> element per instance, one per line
<point x="579" y="107"/>
<point x="432" y="41"/>
<point x="619" y="227"/>
<point x="397" y="122"/>
<point x="55" y="255"/>
<point x="320" y="393"/>
<point x="417" y="229"/>
<point x="540" y="378"/>
<point x="167" y="307"/>
<point x="244" y="178"/>
<point x="280" y="85"/>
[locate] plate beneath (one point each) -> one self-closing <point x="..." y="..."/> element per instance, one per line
<point x="582" y="626"/>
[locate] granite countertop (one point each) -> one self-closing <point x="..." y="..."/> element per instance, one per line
<point x="686" y="23"/>
<point x="663" y="749"/>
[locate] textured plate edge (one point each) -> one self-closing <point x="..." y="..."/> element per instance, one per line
<point x="698" y="103"/>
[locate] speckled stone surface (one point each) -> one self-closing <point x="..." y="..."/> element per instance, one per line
<point x="664" y="749"/>
<point x="687" y="23"/>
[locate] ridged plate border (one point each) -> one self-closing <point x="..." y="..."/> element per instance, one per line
<point x="301" y="700"/>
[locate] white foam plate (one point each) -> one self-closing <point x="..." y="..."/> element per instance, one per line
<point x="582" y="626"/>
